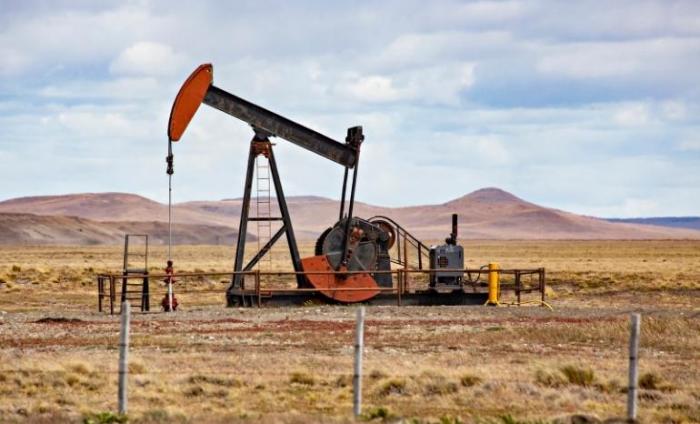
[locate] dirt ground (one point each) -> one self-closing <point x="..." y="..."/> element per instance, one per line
<point x="208" y="363"/>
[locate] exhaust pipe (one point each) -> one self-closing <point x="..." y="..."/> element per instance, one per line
<point x="453" y="235"/>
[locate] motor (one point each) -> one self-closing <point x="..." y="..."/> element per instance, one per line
<point x="450" y="257"/>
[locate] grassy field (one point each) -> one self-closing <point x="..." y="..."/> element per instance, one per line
<point x="207" y="363"/>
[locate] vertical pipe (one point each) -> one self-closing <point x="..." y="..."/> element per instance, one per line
<point x="542" y="285"/>
<point x="346" y="237"/>
<point x="357" y="375"/>
<point x="170" y="293"/>
<point x="493" y="284"/>
<point x="170" y="172"/>
<point x="100" y="291"/>
<point x="633" y="371"/>
<point x="420" y="256"/>
<point x="124" y="356"/>
<point x="454" y="228"/>
<point x="399" y="287"/>
<point x="405" y="258"/>
<point x="342" y="197"/>
<point x="257" y="287"/>
<point x="112" y="294"/>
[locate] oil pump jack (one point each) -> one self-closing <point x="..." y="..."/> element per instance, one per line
<point x="351" y="246"/>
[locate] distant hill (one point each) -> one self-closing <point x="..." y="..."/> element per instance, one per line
<point x="489" y="213"/>
<point x="692" y="222"/>
<point x="28" y="229"/>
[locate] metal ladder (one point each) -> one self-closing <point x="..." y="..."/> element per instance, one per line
<point x="263" y="204"/>
<point x="132" y="290"/>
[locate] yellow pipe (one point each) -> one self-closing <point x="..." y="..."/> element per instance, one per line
<point x="494" y="284"/>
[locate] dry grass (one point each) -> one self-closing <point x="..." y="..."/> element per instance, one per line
<point x="443" y="364"/>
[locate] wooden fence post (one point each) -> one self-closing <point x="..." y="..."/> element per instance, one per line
<point x="124" y="356"/>
<point x="357" y="376"/>
<point x="633" y="371"/>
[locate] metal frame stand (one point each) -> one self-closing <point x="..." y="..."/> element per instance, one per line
<point x="260" y="145"/>
<point x="144" y="292"/>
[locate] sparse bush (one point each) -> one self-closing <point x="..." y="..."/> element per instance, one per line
<point x="136" y="367"/>
<point x="79" y="368"/>
<point x="16" y="268"/>
<point x="301" y="378"/>
<point x="377" y="375"/>
<point x="652" y="381"/>
<point x="446" y="419"/>
<point x="578" y="376"/>
<point x="548" y="379"/>
<point x="509" y="419"/>
<point x="393" y="387"/>
<point x="438" y="385"/>
<point x="105" y="418"/>
<point x="378" y="412"/>
<point x="216" y="381"/>
<point x="194" y="391"/>
<point x="468" y="380"/>
<point x="343" y="381"/>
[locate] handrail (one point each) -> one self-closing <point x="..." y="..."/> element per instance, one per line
<point x="400" y="289"/>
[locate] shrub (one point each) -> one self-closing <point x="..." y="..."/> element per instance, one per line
<point x="548" y="379"/>
<point x="578" y="376"/>
<point x="469" y="380"/>
<point x="440" y="386"/>
<point x="105" y="418"/>
<point x="194" y="391"/>
<point x="379" y="412"/>
<point x="302" y="378"/>
<point x="652" y="381"/>
<point x="393" y="387"/>
<point x="216" y="381"/>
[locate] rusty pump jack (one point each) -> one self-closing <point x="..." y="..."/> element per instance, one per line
<point x="354" y="237"/>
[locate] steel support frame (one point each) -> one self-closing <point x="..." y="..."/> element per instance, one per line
<point x="237" y="280"/>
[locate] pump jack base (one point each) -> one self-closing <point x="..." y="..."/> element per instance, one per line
<point x="292" y="297"/>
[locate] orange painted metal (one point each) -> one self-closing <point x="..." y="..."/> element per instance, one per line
<point x="188" y="99"/>
<point x="327" y="282"/>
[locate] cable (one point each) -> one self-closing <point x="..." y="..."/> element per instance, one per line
<point x="170" y="171"/>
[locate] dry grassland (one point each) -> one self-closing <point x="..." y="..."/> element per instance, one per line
<point x="206" y="363"/>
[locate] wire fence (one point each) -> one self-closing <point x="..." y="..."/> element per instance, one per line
<point x="321" y="372"/>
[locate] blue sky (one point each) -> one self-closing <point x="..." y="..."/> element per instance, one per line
<point x="590" y="107"/>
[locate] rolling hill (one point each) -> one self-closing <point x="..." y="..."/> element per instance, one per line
<point x="29" y="229"/>
<point x="488" y="213"/>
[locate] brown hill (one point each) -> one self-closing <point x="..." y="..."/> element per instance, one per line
<point x="488" y="213"/>
<point x="28" y="229"/>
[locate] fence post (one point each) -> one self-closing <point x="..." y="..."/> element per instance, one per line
<point x="357" y="376"/>
<point x="633" y="375"/>
<point x="124" y="356"/>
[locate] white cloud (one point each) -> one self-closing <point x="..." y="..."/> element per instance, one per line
<point x="633" y="115"/>
<point x="689" y="146"/>
<point x="147" y="58"/>
<point x="585" y="60"/>
<point x="372" y="88"/>
<point x="432" y="85"/>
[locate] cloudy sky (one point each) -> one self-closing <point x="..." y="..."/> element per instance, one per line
<point x="591" y="107"/>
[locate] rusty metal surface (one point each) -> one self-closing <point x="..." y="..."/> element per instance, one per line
<point x="280" y="126"/>
<point x="331" y="281"/>
<point x="188" y="100"/>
